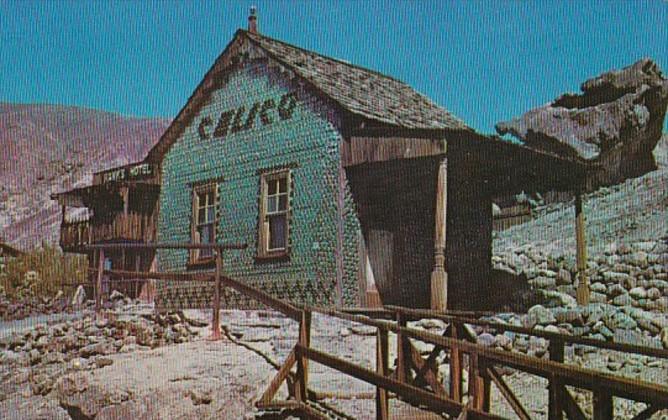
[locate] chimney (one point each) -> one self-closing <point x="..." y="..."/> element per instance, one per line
<point x="252" y="20"/>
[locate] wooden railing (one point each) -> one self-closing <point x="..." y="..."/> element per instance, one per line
<point x="130" y="227"/>
<point x="415" y="379"/>
<point x="74" y="234"/>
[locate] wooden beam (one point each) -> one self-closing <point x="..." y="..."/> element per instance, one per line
<point x="583" y="292"/>
<point x="301" y="385"/>
<point x="277" y="381"/>
<point x="508" y="394"/>
<point x="98" y="284"/>
<point x="382" y="368"/>
<point x="403" y="370"/>
<point x="408" y="392"/>
<point x="439" y="276"/>
<point x="426" y="371"/>
<point x="455" y="365"/>
<point x="215" y="318"/>
<point x="647" y="412"/>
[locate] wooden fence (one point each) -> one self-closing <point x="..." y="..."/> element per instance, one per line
<point x="414" y="379"/>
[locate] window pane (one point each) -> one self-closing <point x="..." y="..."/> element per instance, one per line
<point x="277" y="232"/>
<point x="271" y="187"/>
<point x="283" y="184"/>
<point x="271" y="204"/>
<point x="200" y="216"/>
<point x="283" y="202"/>
<point x="210" y="214"/>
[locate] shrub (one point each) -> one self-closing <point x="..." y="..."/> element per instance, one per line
<point x="54" y="271"/>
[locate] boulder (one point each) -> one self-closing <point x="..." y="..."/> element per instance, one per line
<point x="616" y="122"/>
<point x="79" y="297"/>
<point x="540" y="315"/>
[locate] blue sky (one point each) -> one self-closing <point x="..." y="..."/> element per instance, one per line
<point x="485" y="61"/>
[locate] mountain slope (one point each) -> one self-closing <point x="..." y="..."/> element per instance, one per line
<point x="51" y="148"/>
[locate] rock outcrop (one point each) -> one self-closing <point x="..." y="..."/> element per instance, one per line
<point x="616" y="122"/>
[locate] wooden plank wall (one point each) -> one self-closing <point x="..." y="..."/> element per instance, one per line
<point x="359" y="150"/>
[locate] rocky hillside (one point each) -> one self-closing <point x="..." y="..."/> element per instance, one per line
<point x="51" y="148"/>
<point x="627" y="242"/>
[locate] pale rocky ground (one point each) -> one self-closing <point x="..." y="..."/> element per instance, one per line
<point x="198" y="378"/>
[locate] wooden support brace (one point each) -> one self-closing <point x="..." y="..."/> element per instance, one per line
<point x="556" y="388"/>
<point x="382" y="366"/>
<point x="646" y="413"/>
<point x="215" y="321"/>
<point x="455" y="366"/>
<point x="426" y="370"/>
<point x="508" y="394"/>
<point x="277" y="381"/>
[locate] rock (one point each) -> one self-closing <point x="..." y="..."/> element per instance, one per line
<point x="560" y="299"/>
<point x="116" y="295"/>
<point x="638" y="293"/>
<point x="432" y="324"/>
<point x="101" y="362"/>
<point x="664" y="337"/>
<point x="486" y="339"/>
<point x="615" y="290"/>
<point x="79" y="297"/>
<point x="639" y="259"/>
<point x="615" y="122"/>
<point x="539" y="315"/>
<point x="596" y="297"/>
<point x="503" y="341"/>
<point x="564" y="277"/>
<point x="571" y="316"/>
<point x="35" y="356"/>
<point x="96" y="349"/>
<point x="345" y="332"/>
<point x="543" y="282"/>
<point x="620" y="320"/>
<point x="553" y="329"/>
<point x="365" y="330"/>
<point x="623" y="300"/>
<point x="199" y="396"/>
<point x="653" y="293"/>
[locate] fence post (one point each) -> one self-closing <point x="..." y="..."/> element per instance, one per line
<point x="301" y="386"/>
<point x="215" y="321"/>
<point x="402" y="368"/>
<point x="98" y="283"/>
<point x="603" y="407"/>
<point x="555" y="408"/>
<point x="382" y="363"/>
<point x="455" y="365"/>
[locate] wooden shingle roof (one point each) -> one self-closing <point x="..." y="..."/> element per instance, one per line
<point x="361" y="91"/>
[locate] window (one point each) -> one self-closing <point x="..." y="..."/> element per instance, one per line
<point x="274" y="214"/>
<point x="204" y="220"/>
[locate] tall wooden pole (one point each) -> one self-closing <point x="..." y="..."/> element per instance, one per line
<point x="215" y="322"/>
<point x="98" y="284"/>
<point x="583" y="291"/>
<point x="439" y="277"/>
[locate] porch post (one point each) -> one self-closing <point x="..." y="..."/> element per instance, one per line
<point x="583" y="291"/>
<point x="98" y="283"/>
<point x="439" y="277"/>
